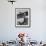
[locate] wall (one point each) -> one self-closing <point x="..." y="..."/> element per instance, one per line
<point x="8" y="31"/>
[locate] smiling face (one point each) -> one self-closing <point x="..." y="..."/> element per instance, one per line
<point x="20" y="20"/>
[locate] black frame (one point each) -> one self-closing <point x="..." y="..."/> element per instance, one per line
<point x="24" y="26"/>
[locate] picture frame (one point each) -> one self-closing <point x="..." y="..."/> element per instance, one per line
<point x="23" y="17"/>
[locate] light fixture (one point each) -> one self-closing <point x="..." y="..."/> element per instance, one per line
<point x="12" y="1"/>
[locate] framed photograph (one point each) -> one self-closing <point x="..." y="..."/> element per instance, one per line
<point x="22" y="17"/>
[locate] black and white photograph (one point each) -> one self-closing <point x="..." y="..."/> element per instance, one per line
<point x="23" y="17"/>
